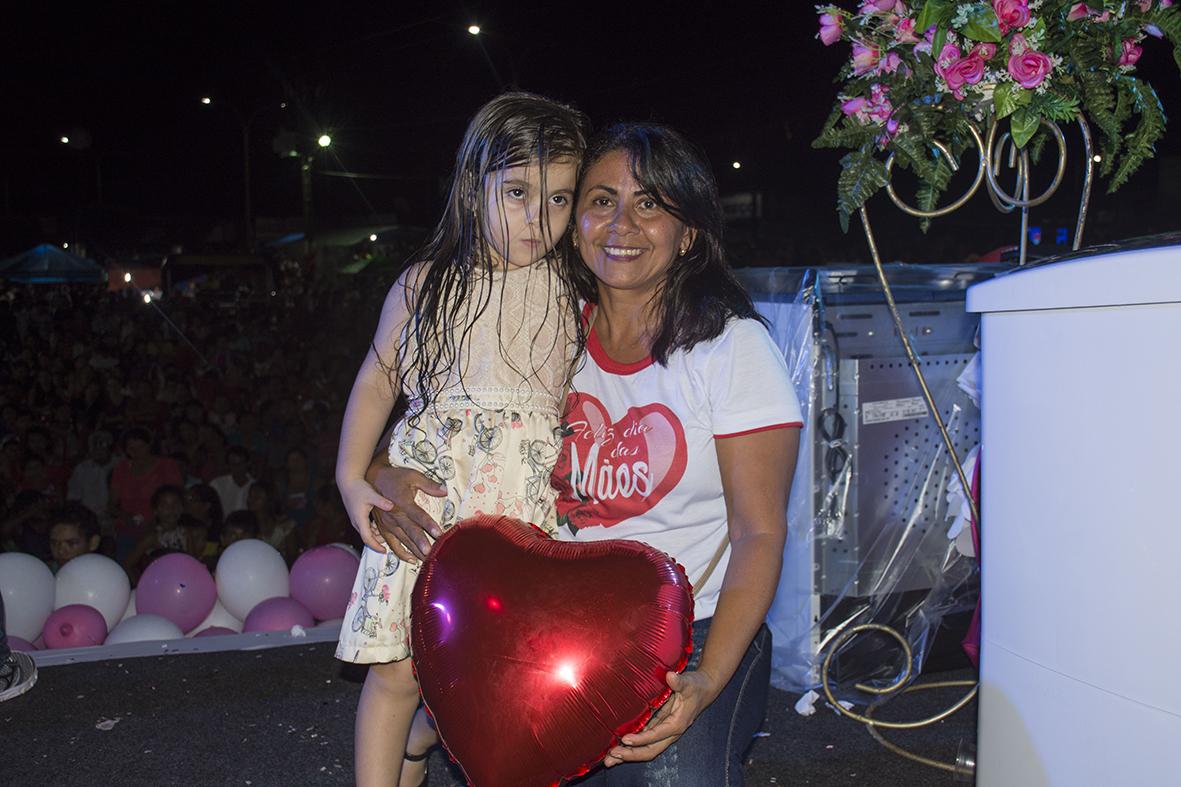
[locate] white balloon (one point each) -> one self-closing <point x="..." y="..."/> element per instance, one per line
<point x="144" y="628"/>
<point x="96" y="581"/>
<point x="130" y="611"/>
<point x="27" y="587"/>
<point x="248" y="572"/>
<point x="218" y="616"/>
<point x="347" y="548"/>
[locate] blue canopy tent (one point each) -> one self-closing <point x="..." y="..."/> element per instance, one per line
<point x="46" y="264"/>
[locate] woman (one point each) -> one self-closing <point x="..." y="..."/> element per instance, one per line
<point x="675" y="345"/>
<point x="134" y="481"/>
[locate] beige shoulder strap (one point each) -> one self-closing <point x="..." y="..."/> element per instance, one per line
<point x="713" y="563"/>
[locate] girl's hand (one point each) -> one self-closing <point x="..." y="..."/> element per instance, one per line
<point x="359" y="499"/>
<point x="692" y="694"/>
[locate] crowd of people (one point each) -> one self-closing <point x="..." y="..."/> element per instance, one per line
<point x="137" y="429"/>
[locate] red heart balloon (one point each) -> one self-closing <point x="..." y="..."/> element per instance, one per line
<point x="535" y="656"/>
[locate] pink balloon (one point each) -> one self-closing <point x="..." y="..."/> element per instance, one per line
<point x="278" y="614"/>
<point x="322" y="580"/>
<point x="16" y="643"/>
<point x="74" y="626"/>
<point x="178" y="587"/>
<point x="214" y="631"/>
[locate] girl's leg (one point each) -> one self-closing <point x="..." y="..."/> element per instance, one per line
<point x="422" y="739"/>
<point x="384" y="714"/>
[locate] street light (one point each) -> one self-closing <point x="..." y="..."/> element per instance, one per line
<point x="127" y="278"/>
<point x="474" y="29"/>
<point x="372" y="238"/>
<point x="324" y="141"/>
<point x="64" y="140"/>
<point x="736" y="165"/>
<point x="206" y="100"/>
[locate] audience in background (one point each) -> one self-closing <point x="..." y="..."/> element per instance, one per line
<point x="160" y="438"/>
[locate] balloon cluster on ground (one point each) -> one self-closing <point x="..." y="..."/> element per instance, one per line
<point x="91" y="602"/>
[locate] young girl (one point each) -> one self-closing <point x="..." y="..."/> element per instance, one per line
<point x="481" y="334"/>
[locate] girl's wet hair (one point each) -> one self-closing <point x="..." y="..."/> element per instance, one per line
<point x="511" y="130"/>
<point x="700" y="292"/>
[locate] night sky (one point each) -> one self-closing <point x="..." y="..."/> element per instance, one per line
<point x="394" y="83"/>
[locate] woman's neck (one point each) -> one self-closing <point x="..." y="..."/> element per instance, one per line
<point x="625" y="325"/>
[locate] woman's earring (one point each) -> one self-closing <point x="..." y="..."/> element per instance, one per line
<point x="683" y="251"/>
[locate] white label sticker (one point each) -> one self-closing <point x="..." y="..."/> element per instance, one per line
<point x="893" y="410"/>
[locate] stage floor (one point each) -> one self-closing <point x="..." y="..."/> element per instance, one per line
<point x="284" y="716"/>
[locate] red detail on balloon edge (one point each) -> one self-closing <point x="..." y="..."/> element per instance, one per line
<point x="576" y="657"/>
<point x="610" y="471"/>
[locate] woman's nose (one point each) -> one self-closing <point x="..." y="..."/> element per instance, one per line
<point x="622" y="221"/>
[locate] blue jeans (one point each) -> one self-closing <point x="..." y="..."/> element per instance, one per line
<point x="710" y="752"/>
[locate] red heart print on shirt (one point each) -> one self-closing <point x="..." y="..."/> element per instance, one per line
<point x="610" y="471"/>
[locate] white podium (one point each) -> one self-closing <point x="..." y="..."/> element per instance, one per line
<point x="1081" y="482"/>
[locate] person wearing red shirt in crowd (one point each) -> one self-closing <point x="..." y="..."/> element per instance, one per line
<point x="133" y="482"/>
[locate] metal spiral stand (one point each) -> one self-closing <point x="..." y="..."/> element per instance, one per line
<point x="990" y="152"/>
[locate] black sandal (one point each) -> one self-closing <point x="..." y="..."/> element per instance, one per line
<point x="419" y="758"/>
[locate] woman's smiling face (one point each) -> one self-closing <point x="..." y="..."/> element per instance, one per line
<point x="624" y="236"/>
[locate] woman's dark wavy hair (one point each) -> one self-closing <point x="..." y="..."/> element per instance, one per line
<point x="700" y="293"/>
<point x="509" y="131"/>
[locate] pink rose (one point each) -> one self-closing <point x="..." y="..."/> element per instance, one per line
<point x="965" y="71"/>
<point x="904" y="32"/>
<point x="1078" y="11"/>
<point x="1012" y="14"/>
<point x="949" y="54"/>
<point x="830" y="28"/>
<point x="865" y="58"/>
<point x="889" y="64"/>
<point x="1131" y="53"/>
<point x="1027" y="67"/>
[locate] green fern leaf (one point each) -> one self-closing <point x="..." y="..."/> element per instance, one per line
<point x="862" y="176"/>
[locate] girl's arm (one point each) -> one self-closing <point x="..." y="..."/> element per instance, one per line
<point x="369" y="406"/>
<point x="756" y="480"/>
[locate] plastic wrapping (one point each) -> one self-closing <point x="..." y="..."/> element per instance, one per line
<point x="874" y="497"/>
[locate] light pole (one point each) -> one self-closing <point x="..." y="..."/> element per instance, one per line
<point x="247" y="122"/>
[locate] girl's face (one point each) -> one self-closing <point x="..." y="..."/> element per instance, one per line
<point x="624" y="236"/>
<point x="521" y="222"/>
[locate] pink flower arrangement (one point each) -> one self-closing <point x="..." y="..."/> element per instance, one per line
<point x="926" y="69"/>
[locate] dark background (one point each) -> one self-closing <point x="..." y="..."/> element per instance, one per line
<point x="394" y="83"/>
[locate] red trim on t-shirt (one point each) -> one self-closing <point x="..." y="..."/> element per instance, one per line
<point x="605" y="361"/>
<point x="790" y="425"/>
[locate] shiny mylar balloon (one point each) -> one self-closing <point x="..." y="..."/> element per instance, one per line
<point x="535" y="656"/>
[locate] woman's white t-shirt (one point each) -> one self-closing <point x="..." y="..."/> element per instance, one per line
<point x="638" y="458"/>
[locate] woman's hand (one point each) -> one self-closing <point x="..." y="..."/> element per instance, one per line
<point x="692" y="693"/>
<point x="405" y="526"/>
<point x="359" y="500"/>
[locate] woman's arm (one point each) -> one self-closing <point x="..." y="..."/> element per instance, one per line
<point x="756" y="474"/>
<point x="406" y="527"/>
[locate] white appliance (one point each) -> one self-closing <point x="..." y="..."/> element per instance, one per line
<point x="1081" y="445"/>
